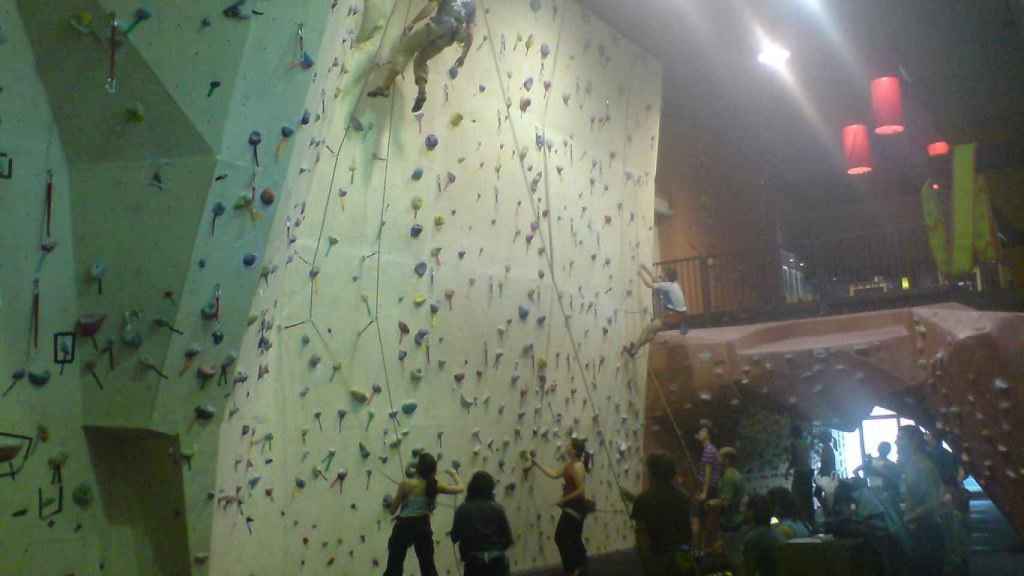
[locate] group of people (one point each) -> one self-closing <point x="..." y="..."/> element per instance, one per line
<point x="481" y="527"/>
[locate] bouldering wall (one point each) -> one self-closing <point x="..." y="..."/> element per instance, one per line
<point x="947" y="367"/>
<point x="238" y="236"/>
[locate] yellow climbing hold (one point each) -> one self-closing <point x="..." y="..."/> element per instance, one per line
<point x="439" y="220"/>
<point x="419" y="299"/>
<point x="359" y="396"/>
<point x="457" y="119"/>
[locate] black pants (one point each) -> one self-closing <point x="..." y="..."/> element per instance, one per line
<point x="413" y="532"/>
<point x="802" y="488"/>
<point x="496" y="567"/>
<point x="569" y="539"/>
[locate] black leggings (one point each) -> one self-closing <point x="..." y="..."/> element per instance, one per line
<point x="569" y="539"/>
<point x="413" y="532"/>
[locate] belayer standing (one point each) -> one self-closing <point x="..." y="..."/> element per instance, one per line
<point x="453" y="21"/>
<point x="413" y="504"/>
<point x="481" y="529"/>
<point x="574" y="505"/>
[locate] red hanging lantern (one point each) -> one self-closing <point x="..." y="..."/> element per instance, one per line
<point x="857" y="149"/>
<point x="936" y="149"/>
<point x="887" y="103"/>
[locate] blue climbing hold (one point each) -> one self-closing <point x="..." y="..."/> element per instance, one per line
<point x="287" y="131"/>
<point x="417" y="174"/>
<point x="249" y="259"/>
<point x="432" y="142"/>
<point x="524" y="312"/>
<point x="421" y="335"/>
<point x="306" y="116"/>
<point x="416" y="230"/>
<point x="420" y="269"/>
<point x="402" y="354"/>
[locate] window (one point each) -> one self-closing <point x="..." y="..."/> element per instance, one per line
<point x="881" y="426"/>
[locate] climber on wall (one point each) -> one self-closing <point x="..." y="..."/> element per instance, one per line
<point x="453" y="21"/>
<point x="673" y="302"/>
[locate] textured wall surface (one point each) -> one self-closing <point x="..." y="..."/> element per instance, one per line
<point x="946" y="367"/>
<point x="247" y="305"/>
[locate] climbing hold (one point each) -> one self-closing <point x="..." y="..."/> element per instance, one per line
<point x="135" y="114"/>
<point x="417" y="174"/>
<point x="417" y="205"/>
<point x="535" y="5"/>
<point x="528" y="84"/>
<point x="420" y="269"/>
<point x="432" y="142"/>
<point x="205" y="412"/>
<point x="416" y="230"/>
<point x="456" y="120"/>
<point x="249" y="259"/>
<point x="402" y="355"/>
<point x="439" y="220"/>
<point x="419" y="300"/>
<point x="234" y="11"/>
<point x="359" y="396"/>
<point x="421" y="336"/>
<point x="363" y="451"/>
<point x="255" y="139"/>
<point x="524" y="312"/>
<point x="524" y="104"/>
<point x="545" y="50"/>
<point x="39" y="378"/>
<point x="82" y="496"/>
<point x="417" y="375"/>
<point x="409" y="407"/>
<point x="267" y="197"/>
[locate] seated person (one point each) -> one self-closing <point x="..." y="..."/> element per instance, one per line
<point x="784" y="509"/>
<point x="760" y="548"/>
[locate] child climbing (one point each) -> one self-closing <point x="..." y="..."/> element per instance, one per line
<point x="481" y="529"/>
<point x="574" y="505"/>
<point x="413" y="504"/>
<point x="672" y="300"/>
<point x="453" y="21"/>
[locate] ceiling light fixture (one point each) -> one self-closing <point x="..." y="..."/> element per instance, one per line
<point x="773" y="56"/>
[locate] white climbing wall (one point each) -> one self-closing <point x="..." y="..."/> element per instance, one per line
<point x="537" y="199"/>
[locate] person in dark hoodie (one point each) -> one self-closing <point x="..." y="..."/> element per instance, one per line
<point x="481" y="529"/>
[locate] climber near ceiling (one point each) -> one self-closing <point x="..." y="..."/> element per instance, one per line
<point x="453" y="21"/>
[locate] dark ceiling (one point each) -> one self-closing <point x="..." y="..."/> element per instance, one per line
<point x="962" y="63"/>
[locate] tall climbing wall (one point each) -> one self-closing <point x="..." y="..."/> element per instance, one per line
<point x="276" y="282"/>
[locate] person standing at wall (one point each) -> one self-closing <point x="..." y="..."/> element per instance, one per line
<point x="481" y="529"/>
<point x="923" y="503"/>
<point x="707" y="478"/>
<point x="802" y="475"/>
<point x="673" y="304"/>
<point x="453" y="21"/>
<point x="732" y="489"/>
<point x="827" y="479"/>
<point x="413" y="504"/>
<point x="574" y="505"/>
<point x="882" y="475"/>
<point x="662" y="540"/>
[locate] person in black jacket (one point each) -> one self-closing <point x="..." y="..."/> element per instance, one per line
<point x="481" y="529"/>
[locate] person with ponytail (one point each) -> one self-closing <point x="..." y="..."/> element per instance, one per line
<point x="574" y="505"/>
<point x="412" y="507"/>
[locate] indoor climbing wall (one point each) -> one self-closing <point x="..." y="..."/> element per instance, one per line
<point x="460" y="282"/>
<point x="279" y="289"/>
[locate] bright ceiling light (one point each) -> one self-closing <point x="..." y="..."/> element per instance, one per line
<point x="773" y="55"/>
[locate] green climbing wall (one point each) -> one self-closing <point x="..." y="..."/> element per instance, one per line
<point x="536" y="208"/>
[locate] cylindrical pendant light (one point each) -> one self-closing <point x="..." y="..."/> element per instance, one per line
<point x="887" y="103"/>
<point x="938" y="148"/>
<point x="857" y="149"/>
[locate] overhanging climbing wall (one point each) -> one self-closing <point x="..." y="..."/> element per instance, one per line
<point x="252" y="232"/>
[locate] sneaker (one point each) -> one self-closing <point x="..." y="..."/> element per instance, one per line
<point x="421" y="99"/>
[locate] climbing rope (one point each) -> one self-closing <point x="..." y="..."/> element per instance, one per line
<point x="550" y="251"/>
<point x="675" y="426"/>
